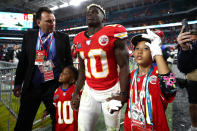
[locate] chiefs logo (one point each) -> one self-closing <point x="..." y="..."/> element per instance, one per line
<point x="153" y="79"/>
<point x="40" y="53"/>
<point x="103" y="40"/>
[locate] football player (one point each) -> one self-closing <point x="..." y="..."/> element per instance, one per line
<point x="66" y="117"/>
<point x="101" y="49"/>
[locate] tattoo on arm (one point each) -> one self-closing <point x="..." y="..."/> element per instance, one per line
<point x="122" y="59"/>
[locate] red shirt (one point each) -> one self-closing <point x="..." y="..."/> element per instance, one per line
<point x="66" y="118"/>
<point x="97" y="52"/>
<point x="158" y="103"/>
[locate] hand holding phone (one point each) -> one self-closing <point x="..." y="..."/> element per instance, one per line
<point x="185" y="27"/>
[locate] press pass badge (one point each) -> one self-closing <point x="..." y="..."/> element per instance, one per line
<point x="48" y="70"/>
<point x="39" y="60"/>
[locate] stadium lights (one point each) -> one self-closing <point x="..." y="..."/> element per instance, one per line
<point x="54" y="8"/>
<point x="64" y="5"/>
<point x="72" y="2"/>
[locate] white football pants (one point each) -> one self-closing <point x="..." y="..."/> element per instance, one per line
<point x="92" y="103"/>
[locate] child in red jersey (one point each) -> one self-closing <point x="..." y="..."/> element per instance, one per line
<point x="66" y="118"/>
<point x="151" y="88"/>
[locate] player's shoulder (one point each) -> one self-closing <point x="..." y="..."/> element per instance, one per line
<point x="57" y="90"/>
<point x="73" y="86"/>
<point x="114" y="26"/>
<point x="79" y="34"/>
<point x="117" y="30"/>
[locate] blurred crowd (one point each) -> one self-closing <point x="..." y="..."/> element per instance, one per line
<point x="10" y="53"/>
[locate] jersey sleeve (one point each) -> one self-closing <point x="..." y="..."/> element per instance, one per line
<point x="76" y="44"/>
<point x="168" y="85"/>
<point x="120" y="32"/>
<point x="75" y="40"/>
<point x="74" y="47"/>
<point x="55" y="97"/>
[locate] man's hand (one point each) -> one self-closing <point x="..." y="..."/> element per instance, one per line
<point x="73" y="50"/>
<point x="115" y="103"/>
<point x="184" y="39"/>
<point x="75" y="101"/>
<point x="17" y="90"/>
<point x="45" y="113"/>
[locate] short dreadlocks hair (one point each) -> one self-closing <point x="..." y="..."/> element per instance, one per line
<point x="98" y="6"/>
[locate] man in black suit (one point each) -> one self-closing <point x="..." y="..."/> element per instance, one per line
<point x="44" y="54"/>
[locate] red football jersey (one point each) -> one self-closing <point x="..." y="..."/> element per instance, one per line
<point x="66" y="118"/>
<point x="101" y="69"/>
<point x="158" y="103"/>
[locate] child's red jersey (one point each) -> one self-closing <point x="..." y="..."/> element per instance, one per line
<point x="66" y="118"/>
<point x="158" y="103"/>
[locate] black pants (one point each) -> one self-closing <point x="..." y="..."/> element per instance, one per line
<point x="192" y="90"/>
<point x="30" y="102"/>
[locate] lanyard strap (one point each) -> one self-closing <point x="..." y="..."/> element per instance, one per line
<point x="147" y="93"/>
<point x="41" y="42"/>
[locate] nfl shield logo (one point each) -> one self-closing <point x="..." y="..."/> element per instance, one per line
<point x="88" y="42"/>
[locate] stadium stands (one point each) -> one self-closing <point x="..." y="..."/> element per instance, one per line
<point x="140" y="13"/>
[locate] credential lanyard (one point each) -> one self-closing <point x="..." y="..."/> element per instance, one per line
<point x="41" y="42"/>
<point x="147" y="93"/>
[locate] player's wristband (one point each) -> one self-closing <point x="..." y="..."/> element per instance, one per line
<point x="124" y="93"/>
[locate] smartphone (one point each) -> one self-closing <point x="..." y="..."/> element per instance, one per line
<point x="186" y="29"/>
<point x="185" y="23"/>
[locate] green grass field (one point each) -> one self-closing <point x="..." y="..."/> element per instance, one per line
<point x="100" y="126"/>
<point x="4" y="114"/>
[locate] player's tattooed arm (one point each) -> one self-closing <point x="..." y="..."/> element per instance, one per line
<point x="117" y="101"/>
<point x="80" y="82"/>
<point x="122" y="59"/>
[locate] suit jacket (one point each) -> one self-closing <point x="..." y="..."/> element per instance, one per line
<point x="187" y="60"/>
<point x="26" y="68"/>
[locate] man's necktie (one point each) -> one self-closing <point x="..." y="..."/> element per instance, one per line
<point x="46" y="42"/>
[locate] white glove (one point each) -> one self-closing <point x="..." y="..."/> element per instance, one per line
<point x="155" y="45"/>
<point x="114" y="105"/>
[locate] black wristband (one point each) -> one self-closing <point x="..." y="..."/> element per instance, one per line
<point x="124" y="93"/>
